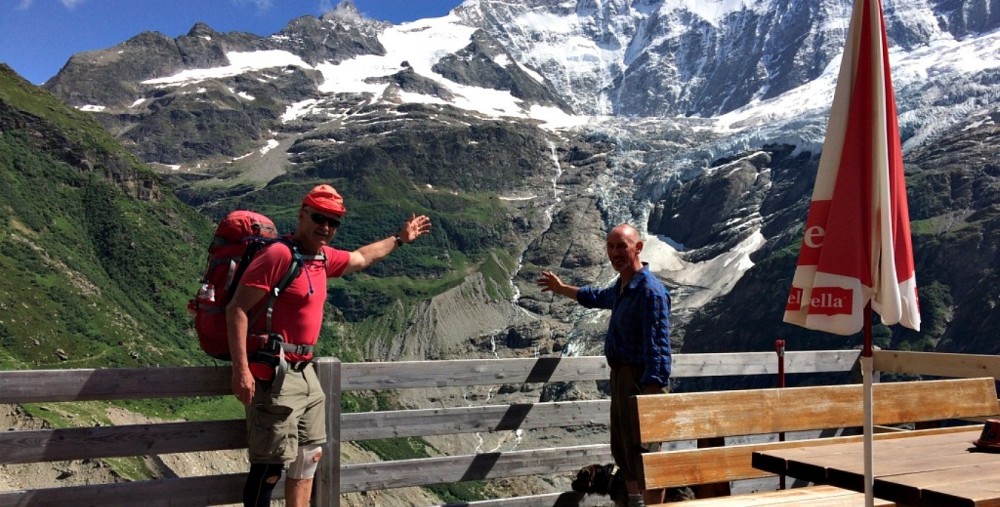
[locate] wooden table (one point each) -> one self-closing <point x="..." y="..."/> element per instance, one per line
<point x="925" y="470"/>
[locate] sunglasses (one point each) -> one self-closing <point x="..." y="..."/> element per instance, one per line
<point x="321" y="219"/>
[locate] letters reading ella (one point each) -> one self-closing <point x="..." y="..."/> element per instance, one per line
<point x="823" y="300"/>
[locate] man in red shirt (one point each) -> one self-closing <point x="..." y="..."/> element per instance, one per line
<point x="285" y="403"/>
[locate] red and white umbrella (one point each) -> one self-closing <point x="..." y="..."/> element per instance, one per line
<point x="856" y="252"/>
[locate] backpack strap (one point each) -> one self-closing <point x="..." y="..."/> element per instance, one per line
<point x="253" y="247"/>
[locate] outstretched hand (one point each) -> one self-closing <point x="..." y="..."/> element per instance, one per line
<point x="549" y="282"/>
<point x="414" y="227"/>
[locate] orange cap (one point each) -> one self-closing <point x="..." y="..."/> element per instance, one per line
<point x="326" y="199"/>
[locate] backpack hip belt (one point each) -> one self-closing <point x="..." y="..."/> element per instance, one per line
<point x="272" y="343"/>
<point x="272" y="354"/>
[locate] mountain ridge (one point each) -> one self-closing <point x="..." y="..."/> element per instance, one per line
<point x="490" y="65"/>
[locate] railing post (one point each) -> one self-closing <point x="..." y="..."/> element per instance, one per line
<point x="327" y="486"/>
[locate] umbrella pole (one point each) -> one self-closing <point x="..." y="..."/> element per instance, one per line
<point x="867" y="370"/>
<point x="779" y="347"/>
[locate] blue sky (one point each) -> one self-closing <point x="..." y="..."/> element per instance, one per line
<point x="37" y="37"/>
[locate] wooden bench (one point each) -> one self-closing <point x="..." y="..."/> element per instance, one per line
<point x="719" y="414"/>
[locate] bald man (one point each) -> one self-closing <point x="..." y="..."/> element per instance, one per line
<point x="637" y="344"/>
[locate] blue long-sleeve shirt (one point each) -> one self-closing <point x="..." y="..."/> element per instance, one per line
<point x="639" y="331"/>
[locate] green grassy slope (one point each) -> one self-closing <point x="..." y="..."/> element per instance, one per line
<point x="95" y="253"/>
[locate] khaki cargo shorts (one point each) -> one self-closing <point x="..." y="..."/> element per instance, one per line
<point x="286" y="413"/>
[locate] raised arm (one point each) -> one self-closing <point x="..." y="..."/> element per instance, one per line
<point x="413" y="228"/>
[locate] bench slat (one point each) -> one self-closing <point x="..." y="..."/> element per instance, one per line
<point x="690" y="416"/>
<point x="937" y="364"/>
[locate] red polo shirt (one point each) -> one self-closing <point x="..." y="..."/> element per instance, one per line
<point x="298" y="312"/>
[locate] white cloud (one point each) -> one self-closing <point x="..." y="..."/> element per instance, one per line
<point x="69" y="4"/>
<point x="261" y="5"/>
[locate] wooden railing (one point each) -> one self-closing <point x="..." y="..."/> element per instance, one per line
<point x="336" y="478"/>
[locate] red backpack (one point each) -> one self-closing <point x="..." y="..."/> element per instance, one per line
<point x="238" y="238"/>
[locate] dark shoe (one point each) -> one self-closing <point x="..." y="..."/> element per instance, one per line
<point x="679" y="494"/>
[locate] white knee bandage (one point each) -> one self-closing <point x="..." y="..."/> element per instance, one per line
<point x="304" y="466"/>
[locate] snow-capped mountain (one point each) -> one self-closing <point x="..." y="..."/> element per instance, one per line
<point x="705" y="58"/>
<point x="745" y="65"/>
<point x="578" y="114"/>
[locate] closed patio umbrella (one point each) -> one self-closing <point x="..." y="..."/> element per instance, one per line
<point x="856" y="253"/>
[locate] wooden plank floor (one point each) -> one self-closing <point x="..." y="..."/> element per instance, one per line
<point x="941" y="469"/>
<point x="816" y="496"/>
